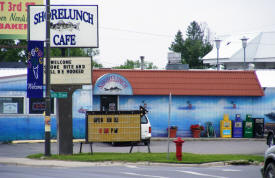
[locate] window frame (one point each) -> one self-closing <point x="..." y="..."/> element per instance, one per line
<point x="23" y="104"/>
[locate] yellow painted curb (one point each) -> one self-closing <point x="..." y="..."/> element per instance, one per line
<point x="42" y="141"/>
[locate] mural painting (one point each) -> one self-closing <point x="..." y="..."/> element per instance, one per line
<point x="186" y="110"/>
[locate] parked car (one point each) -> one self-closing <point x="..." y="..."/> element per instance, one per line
<point x="145" y="129"/>
<point x="268" y="170"/>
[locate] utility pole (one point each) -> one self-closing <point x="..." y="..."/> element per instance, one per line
<point x="48" y="85"/>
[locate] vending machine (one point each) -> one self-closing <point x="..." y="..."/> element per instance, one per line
<point x="258" y="127"/>
<point x="237" y="127"/>
<point x="248" y="127"/>
<point x="225" y="127"/>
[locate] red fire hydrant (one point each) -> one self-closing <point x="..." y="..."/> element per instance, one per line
<point x="179" y="142"/>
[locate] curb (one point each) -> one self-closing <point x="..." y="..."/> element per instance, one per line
<point x="153" y="139"/>
<point x="42" y="141"/>
<point x="60" y="163"/>
<point x="208" y="139"/>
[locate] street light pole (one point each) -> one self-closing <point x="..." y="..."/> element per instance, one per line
<point x="244" y="43"/>
<point x="218" y="43"/>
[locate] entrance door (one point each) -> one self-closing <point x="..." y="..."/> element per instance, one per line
<point x="108" y="103"/>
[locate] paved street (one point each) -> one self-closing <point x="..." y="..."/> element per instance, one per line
<point x="130" y="171"/>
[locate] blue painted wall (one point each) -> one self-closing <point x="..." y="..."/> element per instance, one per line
<point x="186" y="110"/>
<point x="29" y="127"/>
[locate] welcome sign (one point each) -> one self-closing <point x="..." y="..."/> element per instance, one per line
<point x="71" y="70"/>
<point x="35" y="69"/>
<point x="70" y="26"/>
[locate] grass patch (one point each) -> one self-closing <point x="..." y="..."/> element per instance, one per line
<point x="187" y="158"/>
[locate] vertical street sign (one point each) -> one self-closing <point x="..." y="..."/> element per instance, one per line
<point x="35" y="69"/>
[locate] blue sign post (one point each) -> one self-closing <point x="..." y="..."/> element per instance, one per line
<point x="35" y="69"/>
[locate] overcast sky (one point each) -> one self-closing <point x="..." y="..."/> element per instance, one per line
<point x="129" y="29"/>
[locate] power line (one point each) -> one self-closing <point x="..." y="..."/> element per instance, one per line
<point x="137" y="32"/>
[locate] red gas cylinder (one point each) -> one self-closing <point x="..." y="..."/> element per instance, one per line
<point x="178" y="143"/>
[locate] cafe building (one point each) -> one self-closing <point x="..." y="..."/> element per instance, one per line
<point x="197" y="97"/>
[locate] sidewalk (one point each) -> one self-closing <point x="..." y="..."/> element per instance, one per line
<point x="58" y="163"/>
<point x="155" y="139"/>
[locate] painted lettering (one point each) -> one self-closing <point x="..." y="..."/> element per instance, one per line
<point x="15" y="7"/>
<point x="34" y="86"/>
<point x="112" y="78"/>
<point x="15" y="18"/>
<point x="14" y="26"/>
<point x="2" y="3"/>
<point x="64" y="40"/>
<point x="39" y="17"/>
<point x="72" y="14"/>
<point x="3" y="18"/>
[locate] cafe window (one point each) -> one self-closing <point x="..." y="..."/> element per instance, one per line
<point x="38" y="106"/>
<point x="11" y="105"/>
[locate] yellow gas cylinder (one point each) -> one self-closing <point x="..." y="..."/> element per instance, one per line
<point x="225" y="127"/>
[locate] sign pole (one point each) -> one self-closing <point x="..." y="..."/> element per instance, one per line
<point x="169" y="117"/>
<point x="48" y="87"/>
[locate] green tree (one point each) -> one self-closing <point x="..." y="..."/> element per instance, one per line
<point x="13" y="51"/>
<point x="77" y="52"/>
<point x="96" y="64"/>
<point x="178" y="44"/>
<point x="194" y="47"/>
<point x="130" y="64"/>
<point x="16" y="50"/>
<point x="72" y="52"/>
<point x="94" y="52"/>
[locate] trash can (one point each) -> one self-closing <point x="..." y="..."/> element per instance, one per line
<point x="258" y="127"/>
<point x="225" y="127"/>
<point x="173" y="131"/>
<point x="248" y="127"/>
<point x="237" y="127"/>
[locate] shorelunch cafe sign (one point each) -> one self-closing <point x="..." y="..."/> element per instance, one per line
<point x="70" y="26"/>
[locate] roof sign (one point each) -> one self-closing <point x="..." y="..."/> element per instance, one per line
<point x="112" y="84"/>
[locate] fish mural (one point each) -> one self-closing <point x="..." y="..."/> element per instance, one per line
<point x="82" y="110"/>
<point x="185" y="111"/>
<point x="189" y="106"/>
<point x="113" y="89"/>
<point x="61" y="25"/>
<point x="233" y="105"/>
